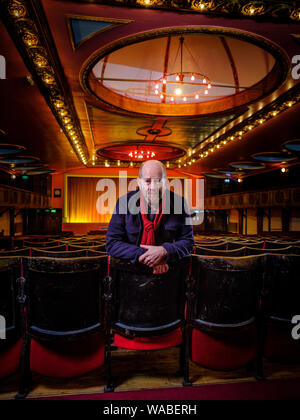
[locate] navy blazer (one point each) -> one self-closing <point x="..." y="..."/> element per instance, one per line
<point x="124" y="234"/>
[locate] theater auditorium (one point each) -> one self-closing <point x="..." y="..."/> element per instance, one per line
<point x="106" y="101"/>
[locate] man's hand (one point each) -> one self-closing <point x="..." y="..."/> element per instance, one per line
<point x="153" y="256"/>
<point x="161" y="268"/>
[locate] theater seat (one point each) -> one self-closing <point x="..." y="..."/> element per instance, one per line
<point x="224" y="351"/>
<point x="146" y="311"/>
<point x="65" y="334"/>
<point x="223" y="306"/>
<point x="164" y="341"/>
<point x="280" y="346"/>
<point x="10" y="358"/>
<point x="67" y="359"/>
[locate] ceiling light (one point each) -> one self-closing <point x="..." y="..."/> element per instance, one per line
<point x="201" y="83"/>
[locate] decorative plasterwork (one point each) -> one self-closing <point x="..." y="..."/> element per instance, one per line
<point x="28" y="27"/>
<point x="283" y="10"/>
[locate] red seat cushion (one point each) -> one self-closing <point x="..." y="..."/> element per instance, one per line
<point x="164" y="341"/>
<point x="224" y="351"/>
<point x="280" y="346"/>
<point x="10" y="359"/>
<point x="67" y="359"/>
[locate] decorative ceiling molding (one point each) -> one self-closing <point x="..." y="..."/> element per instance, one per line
<point x="84" y="28"/>
<point x="285" y="102"/>
<point x="278" y="10"/>
<point x="27" y="25"/>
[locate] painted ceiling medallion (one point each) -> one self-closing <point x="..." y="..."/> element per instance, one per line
<point x="84" y="28"/>
<point x="218" y="176"/>
<point x="40" y="172"/>
<point x="247" y="165"/>
<point x="139" y="152"/>
<point x="293" y="146"/>
<point x="274" y="157"/>
<point x="18" y="159"/>
<point x="11" y="149"/>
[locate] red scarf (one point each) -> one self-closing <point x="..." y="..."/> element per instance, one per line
<point x="148" y="237"/>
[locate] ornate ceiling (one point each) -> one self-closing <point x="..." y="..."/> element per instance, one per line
<point x="94" y="68"/>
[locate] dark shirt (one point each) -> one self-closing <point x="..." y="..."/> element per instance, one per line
<point x="125" y="230"/>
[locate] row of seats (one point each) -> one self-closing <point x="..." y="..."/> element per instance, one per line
<point x="61" y="314"/>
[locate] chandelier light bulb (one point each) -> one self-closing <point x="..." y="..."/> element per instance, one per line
<point x="178" y="91"/>
<point x="156" y="92"/>
<point x="209" y="86"/>
<point x="177" y="78"/>
<point x="206" y="92"/>
<point x="184" y="99"/>
<point x="161" y="96"/>
<point x="193" y="77"/>
<point x="164" y="81"/>
<point x="197" y="96"/>
<point x="172" y="99"/>
<point x="204" y="81"/>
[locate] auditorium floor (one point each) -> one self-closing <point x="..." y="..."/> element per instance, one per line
<point x="136" y="370"/>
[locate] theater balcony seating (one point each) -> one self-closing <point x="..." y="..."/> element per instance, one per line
<point x="146" y="310"/>
<point x="223" y="310"/>
<point x="64" y="316"/>
<point x="10" y="347"/>
<point x="282" y="303"/>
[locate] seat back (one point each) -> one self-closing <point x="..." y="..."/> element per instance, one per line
<point x="147" y="304"/>
<point x="10" y="270"/>
<point x="16" y="252"/>
<point x="64" y="296"/>
<point x="58" y="254"/>
<point x="224" y="292"/>
<point x="220" y="253"/>
<point x="283" y="287"/>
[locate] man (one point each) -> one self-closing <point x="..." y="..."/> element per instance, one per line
<point x="151" y="226"/>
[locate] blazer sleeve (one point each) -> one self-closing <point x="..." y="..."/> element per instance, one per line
<point x="116" y="239"/>
<point x="184" y="244"/>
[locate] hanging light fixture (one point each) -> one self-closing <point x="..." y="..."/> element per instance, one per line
<point x="182" y="85"/>
<point x="141" y="154"/>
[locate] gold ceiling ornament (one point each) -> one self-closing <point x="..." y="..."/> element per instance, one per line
<point x="17" y="9"/>
<point x="40" y="60"/>
<point x="254" y="8"/>
<point x="28" y="28"/>
<point x="295" y="15"/>
<point x="202" y="5"/>
<point x="147" y="2"/>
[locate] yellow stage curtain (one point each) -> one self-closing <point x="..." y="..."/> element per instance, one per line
<point x="83" y="199"/>
<point x="88" y="197"/>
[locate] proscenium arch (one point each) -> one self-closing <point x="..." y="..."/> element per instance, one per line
<point x="118" y="103"/>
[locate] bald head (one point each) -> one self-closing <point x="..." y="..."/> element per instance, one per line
<point x="152" y="169"/>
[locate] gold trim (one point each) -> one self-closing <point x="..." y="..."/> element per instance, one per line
<point x="118" y="22"/>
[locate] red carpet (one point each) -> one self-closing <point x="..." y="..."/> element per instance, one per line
<point x="283" y="389"/>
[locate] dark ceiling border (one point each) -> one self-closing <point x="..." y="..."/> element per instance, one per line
<point x="27" y="25"/>
<point x="262" y="10"/>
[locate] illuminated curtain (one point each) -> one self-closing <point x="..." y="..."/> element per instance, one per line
<point x="82" y="199"/>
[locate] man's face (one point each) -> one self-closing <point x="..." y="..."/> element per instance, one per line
<point x="152" y="183"/>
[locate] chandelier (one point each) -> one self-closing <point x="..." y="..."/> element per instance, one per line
<point x="182" y="85"/>
<point x="141" y="154"/>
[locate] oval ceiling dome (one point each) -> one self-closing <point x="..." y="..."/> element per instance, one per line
<point x="185" y="74"/>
